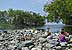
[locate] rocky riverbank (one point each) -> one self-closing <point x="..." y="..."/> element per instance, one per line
<point x="32" y="40"/>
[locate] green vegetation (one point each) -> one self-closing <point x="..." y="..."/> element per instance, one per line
<point x="20" y="19"/>
<point x="68" y="29"/>
<point x="61" y="8"/>
<point x="6" y="26"/>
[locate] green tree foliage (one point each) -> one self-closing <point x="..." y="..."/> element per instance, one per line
<point x="21" y="19"/>
<point x="62" y="8"/>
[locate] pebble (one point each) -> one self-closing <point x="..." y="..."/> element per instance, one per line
<point x="38" y="40"/>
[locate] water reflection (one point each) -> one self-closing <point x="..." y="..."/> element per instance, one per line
<point x="53" y="26"/>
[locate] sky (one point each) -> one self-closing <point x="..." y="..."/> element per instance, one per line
<point x="27" y="5"/>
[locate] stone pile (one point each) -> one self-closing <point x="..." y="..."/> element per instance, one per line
<point x="32" y="40"/>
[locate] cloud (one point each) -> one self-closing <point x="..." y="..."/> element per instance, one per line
<point x="49" y="1"/>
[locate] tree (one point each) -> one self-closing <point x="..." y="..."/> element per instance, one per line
<point x="21" y="19"/>
<point x="62" y="8"/>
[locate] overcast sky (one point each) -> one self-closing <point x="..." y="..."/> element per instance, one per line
<point x="28" y="5"/>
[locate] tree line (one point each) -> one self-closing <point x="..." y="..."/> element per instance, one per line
<point x="21" y="18"/>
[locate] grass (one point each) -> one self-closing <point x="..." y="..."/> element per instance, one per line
<point x="6" y="26"/>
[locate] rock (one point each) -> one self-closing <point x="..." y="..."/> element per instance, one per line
<point x="70" y="36"/>
<point x="1" y="38"/>
<point x="56" y="34"/>
<point x="12" y="41"/>
<point x="39" y="40"/>
<point x="36" y="31"/>
<point x="43" y="35"/>
<point x="63" y="43"/>
<point x="71" y="40"/>
<point x="28" y="43"/>
<point x="35" y="49"/>
<point x="69" y="45"/>
<point x="31" y="46"/>
<point x="39" y="47"/>
<point x="50" y="37"/>
<point x="55" y="37"/>
<point x="58" y="47"/>
<point x="24" y="48"/>
<point x="42" y="39"/>
<point x="69" y="49"/>
<point x="49" y="45"/>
